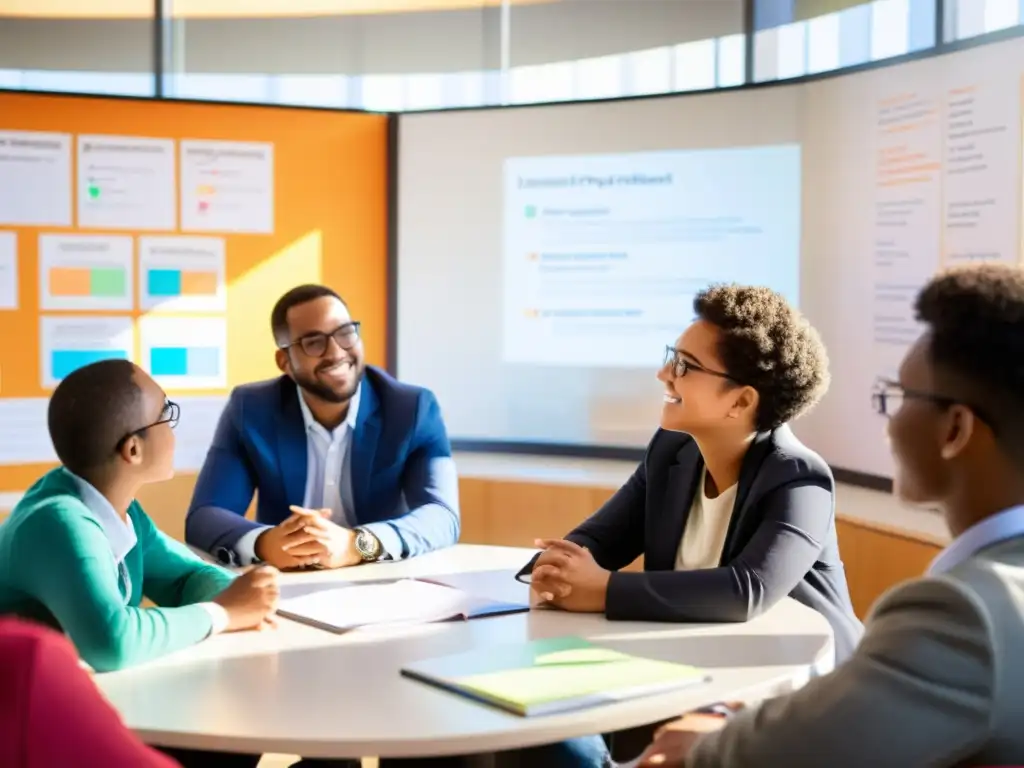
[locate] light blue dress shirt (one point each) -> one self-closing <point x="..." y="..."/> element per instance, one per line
<point x="992" y="530"/>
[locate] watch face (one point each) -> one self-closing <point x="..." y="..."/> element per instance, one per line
<point x="365" y="544"/>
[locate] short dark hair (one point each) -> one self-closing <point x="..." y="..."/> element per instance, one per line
<point x="90" y="411"/>
<point x="300" y="294"/>
<point x="768" y="345"/>
<point x="976" y="318"/>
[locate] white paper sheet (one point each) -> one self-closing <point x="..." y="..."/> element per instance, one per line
<point x="182" y="274"/>
<point x="35" y="179"/>
<point x="86" y="272"/>
<point x="227" y="186"/>
<point x="24" y="438"/>
<point x="185" y="352"/>
<point x="126" y="182"/>
<point x="70" y="342"/>
<point x="8" y="270"/>
<point x="400" y="602"/>
<point x="199" y="416"/>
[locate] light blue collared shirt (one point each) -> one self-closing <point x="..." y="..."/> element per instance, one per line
<point x="329" y="462"/>
<point x="329" y="479"/>
<point x="120" y="533"/>
<point x="1007" y="524"/>
<point x="122" y="537"/>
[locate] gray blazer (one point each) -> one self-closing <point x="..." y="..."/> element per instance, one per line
<point x="936" y="681"/>
<point x="781" y="538"/>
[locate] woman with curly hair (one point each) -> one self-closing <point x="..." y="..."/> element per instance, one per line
<point x="730" y="511"/>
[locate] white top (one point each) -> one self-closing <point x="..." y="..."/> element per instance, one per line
<point x="704" y="536"/>
<point x="121" y="535"/>
<point x="300" y="690"/>
<point x="1008" y="524"/>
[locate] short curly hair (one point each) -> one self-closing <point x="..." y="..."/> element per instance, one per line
<point x="768" y="345"/>
<point x="975" y="316"/>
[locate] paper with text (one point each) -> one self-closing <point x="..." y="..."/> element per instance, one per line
<point x="399" y="602"/>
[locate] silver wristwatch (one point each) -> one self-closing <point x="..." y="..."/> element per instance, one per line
<point x="368" y="546"/>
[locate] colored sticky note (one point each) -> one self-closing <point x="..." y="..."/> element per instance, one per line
<point x="65" y="361"/>
<point x="70" y="281"/>
<point x="198" y="283"/>
<point x="163" y="282"/>
<point x="108" y="282"/>
<point x="168" y="361"/>
<point x="203" y="361"/>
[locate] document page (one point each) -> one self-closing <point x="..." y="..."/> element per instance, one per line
<point x="399" y="602"/>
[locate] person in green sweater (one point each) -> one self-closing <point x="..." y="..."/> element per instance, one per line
<point x="79" y="554"/>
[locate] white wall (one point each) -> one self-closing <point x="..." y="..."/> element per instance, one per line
<point x="386" y="43"/>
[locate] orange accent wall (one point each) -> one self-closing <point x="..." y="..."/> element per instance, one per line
<point x="330" y="202"/>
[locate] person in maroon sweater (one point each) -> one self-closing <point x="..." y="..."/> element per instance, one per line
<point x="51" y="712"/>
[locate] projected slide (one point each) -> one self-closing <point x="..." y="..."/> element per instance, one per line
<point x="603" y="254"/>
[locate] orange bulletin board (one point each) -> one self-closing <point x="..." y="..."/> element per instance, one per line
<point x="329" y="226"/>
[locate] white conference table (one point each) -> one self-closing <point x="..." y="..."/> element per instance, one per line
<point x="301" y="690"/>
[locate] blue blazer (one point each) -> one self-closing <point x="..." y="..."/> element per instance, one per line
<point x="402" y="472"/>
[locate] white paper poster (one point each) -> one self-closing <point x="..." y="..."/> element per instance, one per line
<point x="8" y="270"/>
<point x="85" y="272"/>
<point x="227" y="186"/>
<point x="185" y="352"/>
<point x="69" y="342"/>
<point x="194" y="434"/>
<point x="35" y="179"/>
<point x="182" y="274"/>
<point x="126" y="182"/>
<point x="26" y="438"/>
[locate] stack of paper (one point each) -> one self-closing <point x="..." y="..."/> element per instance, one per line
<point x="339" y="609"/>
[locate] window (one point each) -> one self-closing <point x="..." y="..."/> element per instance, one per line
<point x="649" y="71"/>
<point x="823" y="43"/>
<point x="695" y="65"/>
<point x="970" y="18"/>
<point x="541" y="82"/>
<point x="732" y="60"/>
<point x="601" y="77"/>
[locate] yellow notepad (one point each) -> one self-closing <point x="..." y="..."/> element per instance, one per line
<point x="555" y="675"/>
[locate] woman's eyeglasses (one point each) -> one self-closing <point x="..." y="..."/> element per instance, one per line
<point x="680" y="366"/>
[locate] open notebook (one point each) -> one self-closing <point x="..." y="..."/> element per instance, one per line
<point x="555" y="675"/>
<point x="338" y="608"/>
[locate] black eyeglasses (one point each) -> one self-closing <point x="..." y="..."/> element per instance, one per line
<point x="888" y="396"/>
<point x="169" y="415"/>
<point x="315" y="344"/>
<point x="681" y="366"/>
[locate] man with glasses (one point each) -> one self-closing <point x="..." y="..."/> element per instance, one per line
<point x="348" y="464"/>
<point x="936" y="679"/>
<point x="79" y="554"/>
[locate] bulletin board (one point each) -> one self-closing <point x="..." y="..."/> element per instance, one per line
<point x="164" y="232"/>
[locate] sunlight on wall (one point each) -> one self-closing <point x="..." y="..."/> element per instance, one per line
<point x="251" y="297"/>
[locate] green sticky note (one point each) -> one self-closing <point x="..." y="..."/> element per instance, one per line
<point x="531" y="211"/>
<point x="94" y="191"/>
<point x="107" y="281"/>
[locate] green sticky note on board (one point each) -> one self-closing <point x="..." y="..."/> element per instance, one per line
<point x="104" y="281"/>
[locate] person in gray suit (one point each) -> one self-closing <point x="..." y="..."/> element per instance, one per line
<point x="730" y="511"/>
<point x="937" y="679"/>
